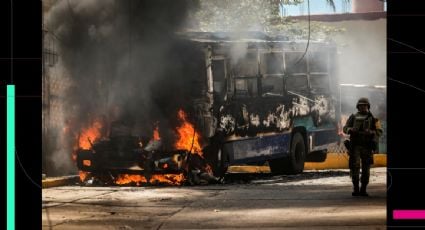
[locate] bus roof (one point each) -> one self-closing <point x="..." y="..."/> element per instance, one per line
<point x="237" y="37"/>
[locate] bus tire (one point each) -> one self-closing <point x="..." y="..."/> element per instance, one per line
<point x="223" y="163"/>
<point x="294" y="163"/>
<point x="297" y="154"/>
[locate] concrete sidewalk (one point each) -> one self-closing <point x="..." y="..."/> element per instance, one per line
<point x="313" y="200"/>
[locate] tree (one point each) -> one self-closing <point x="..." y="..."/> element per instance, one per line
<point x="254" y="15"/>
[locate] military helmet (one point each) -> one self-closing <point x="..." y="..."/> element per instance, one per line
<point x="363" y="101"/>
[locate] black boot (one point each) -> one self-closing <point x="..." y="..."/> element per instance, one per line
<point x="363" y="190"/>
<point x="356" y="191"/>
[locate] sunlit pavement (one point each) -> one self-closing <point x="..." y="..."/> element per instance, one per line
<point x="316" y="199"/>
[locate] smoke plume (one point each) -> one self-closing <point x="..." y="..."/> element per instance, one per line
<point x="123" y="62"/>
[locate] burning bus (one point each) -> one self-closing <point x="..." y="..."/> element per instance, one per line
<point x="255" y="99"/>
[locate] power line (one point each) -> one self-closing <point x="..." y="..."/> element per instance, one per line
<point x="308" y="40"/>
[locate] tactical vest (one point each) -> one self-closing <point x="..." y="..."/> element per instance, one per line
<point x="362" y="122"/>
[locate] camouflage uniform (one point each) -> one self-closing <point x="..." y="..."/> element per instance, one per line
<point x="364" y="131"/>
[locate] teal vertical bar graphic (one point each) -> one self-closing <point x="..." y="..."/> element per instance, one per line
<point x="10" y="157"/>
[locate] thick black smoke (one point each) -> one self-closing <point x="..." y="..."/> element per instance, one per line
<point x="125" y="62"/>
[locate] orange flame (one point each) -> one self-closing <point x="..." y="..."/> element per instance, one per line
<point x="127" y="179"/>
<point x="188" y="137"/>
<point x="83" y="175"/>
<point x="156" y="136"/>
<point x="174" y="179"/>
<point x="171" y="179"/>
<point x="87" y="163"/>
<point x="92" y="134"/>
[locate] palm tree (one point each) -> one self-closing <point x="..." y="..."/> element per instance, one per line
<point x="332" y="4"/>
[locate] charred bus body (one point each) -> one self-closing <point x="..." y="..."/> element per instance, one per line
<point x="274" y="102"/>
<point x="257" y="98"/>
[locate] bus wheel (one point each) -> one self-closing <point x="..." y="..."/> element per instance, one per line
<point x="223" y="163"/>
<point x="294" y="163"/>
<point x="297" y="154"/>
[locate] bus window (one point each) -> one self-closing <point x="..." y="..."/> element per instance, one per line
<point x="272" y="86"/>
<point x="297" y="84"/>
<point x="294" y="63"/>
<point x="319" y="83"/>
<point x="247" y="66"/>
<point x="272" y="63"/>
<point x="318" y="62"/>
<point x="246" y="87"/>
<point x="219" y="75"/>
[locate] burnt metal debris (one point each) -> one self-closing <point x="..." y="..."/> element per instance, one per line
<point x="126" y="154"/>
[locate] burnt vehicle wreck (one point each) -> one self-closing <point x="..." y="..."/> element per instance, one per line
<point x="123" y="153"/>
<point x="258" y="99"/>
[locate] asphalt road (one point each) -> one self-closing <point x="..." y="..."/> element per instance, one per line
<point x="312" y="200"/>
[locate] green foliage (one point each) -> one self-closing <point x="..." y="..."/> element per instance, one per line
<point x="299" y="30"/>
<point x="234" y="15"/>
<point x="254" y="15"/>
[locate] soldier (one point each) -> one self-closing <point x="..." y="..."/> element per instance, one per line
<point x="364" y="131"/>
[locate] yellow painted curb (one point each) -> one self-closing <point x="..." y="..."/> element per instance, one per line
<point x="333" y="161"/>
<point x="340" y="161"/>
<point x="59" y="181"/>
